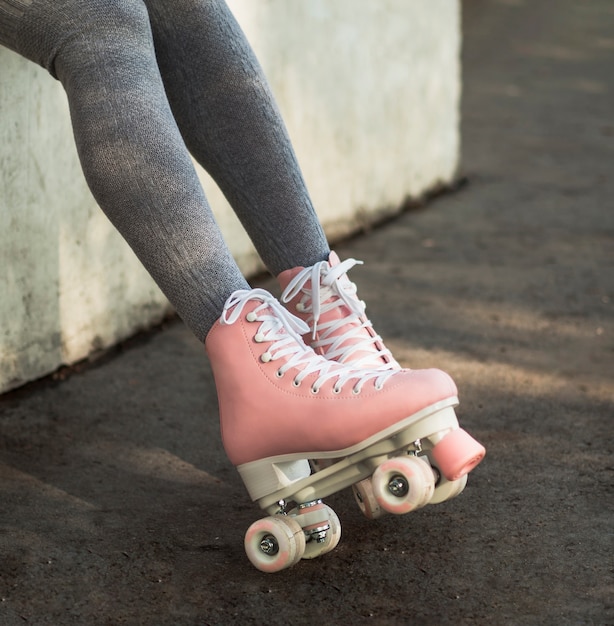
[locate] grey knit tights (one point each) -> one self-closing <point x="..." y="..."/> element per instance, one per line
<point x="148" y="82"/>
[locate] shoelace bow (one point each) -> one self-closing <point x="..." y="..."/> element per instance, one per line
<point x="330" y="288"/>
<point x="285" y="330"/>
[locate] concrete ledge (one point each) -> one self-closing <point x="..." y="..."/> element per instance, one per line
<point x="371" y="100"/>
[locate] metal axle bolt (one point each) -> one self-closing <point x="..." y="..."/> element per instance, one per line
<point x="398" y="486"/>
<point x="269" y="545"/>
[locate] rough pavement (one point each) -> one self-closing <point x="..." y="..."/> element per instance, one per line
<point x="119" y="507"/>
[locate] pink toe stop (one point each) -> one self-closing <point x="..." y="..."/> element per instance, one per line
<point x="457" y="454"/>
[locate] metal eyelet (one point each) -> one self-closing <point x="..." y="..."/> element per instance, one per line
<point x="296" y="383"/>
<point x="279" y="374"/>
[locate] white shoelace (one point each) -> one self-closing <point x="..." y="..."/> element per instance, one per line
<point x="282" y="328"/>
<point x="330" y="288"/>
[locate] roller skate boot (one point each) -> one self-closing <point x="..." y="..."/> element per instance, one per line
<point x="281" y="404"/>
<point x="326" y="300"/>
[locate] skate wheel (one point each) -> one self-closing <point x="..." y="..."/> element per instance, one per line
<point x="401" y="484"/>
<point x="333" y="535"/>
<point x="446" y="489"/>
<point x="274" y="543"/>
<point x="366" y="500"/>
<point x="457" y="454"/>
<point x="430" y="476"/>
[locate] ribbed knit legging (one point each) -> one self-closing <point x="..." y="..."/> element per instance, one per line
<point x="148" y="83"/>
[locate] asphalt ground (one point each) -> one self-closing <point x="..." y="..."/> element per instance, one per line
<point x="119" y="506"/>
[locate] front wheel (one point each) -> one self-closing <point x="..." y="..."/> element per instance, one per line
<point x="402" y="484"/>
<point x="446" y="489"/>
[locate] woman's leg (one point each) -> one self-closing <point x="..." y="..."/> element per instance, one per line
<point x="232" y="126"/>
<point x="132" y="153"/>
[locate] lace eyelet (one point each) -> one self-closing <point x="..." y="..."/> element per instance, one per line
<point x="251" y="317"/>
<point x="315" y="390"/>
<point x="300" y="307"/>
<point x="336" y="390"/>
<point x="279" y="374"/>
<point x="378" y="387"/>
<point x="258" y="337"/>
<point x="265" y="357"/>
<point x="355" y="391"/>
<point x="296" y="383"/>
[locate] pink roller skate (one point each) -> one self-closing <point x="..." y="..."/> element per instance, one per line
<point x="325" y="299"/>
<point x="281" y="404"/>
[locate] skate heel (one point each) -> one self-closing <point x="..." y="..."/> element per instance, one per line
<point x="288" y="535"/>
<point x="269" y="476"/>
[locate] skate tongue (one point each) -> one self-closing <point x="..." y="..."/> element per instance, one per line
<point x="335" y="315"/>
<point x="346" y="289"/>
<point x="320" y="278"/>
<point x="333" y="259"/>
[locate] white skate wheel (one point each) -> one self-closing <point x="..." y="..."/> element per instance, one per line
<point x="457" y="454"/>
<point x="430" y="476"/>
<point x="401" y="484"/>
<point x="274" y="543"/>
<point x="448" y="489"/>
<point x="366" y="500"/>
